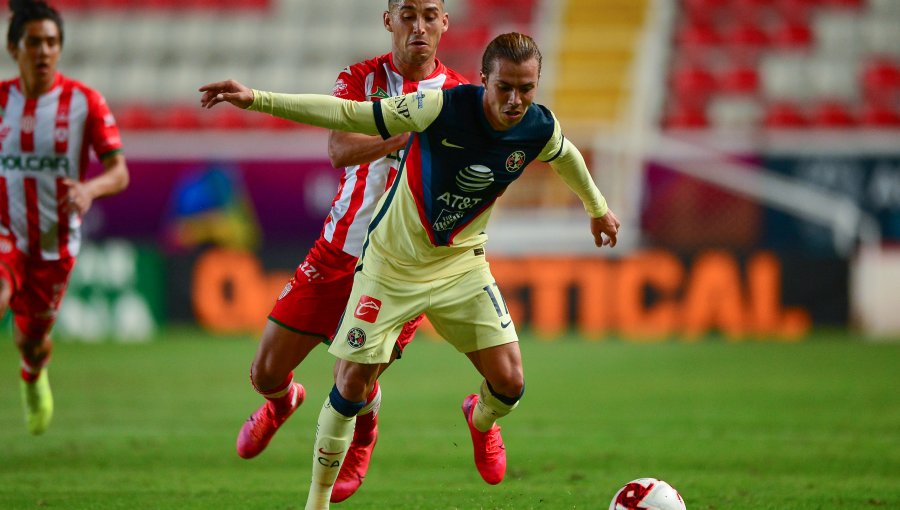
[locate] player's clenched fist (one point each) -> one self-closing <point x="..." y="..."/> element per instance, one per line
<point x="226" y="91"/>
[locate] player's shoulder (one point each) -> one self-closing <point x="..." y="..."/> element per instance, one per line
<point x="463" y="92"/>
<point x="93" y="95"/>
<point x="452" y="78"/>
<point x="367" y="66"/>
<point x="541" y="114"/>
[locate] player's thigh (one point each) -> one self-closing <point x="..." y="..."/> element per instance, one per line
<point x="374" y="317"/>
<point x="280" y="350"/>
<point x="37" y="302"/>
<point x="470" y="313"/>
<point x="312" y="306"/>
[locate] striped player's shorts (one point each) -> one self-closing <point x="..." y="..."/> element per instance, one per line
<point x="314" y="299"/>
<point x="38" y="288"/>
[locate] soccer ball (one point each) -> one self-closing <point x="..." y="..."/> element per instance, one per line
<point x="647" y="494"/>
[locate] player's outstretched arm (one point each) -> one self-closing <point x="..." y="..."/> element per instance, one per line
<point x="228" y="91"/>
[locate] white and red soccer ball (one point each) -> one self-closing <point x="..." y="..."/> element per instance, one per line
<point x="647" y="494"/>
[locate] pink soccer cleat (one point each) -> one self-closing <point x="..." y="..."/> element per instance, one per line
<point x="490" y="454"/>
<point x="356" y="463"/>
<point x="261" y="426"/>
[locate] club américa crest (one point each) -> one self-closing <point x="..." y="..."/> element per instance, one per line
<point x="515" y="161"/>
<point x="356" y="338"/>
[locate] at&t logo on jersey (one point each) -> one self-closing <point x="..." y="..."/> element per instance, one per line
<point x="356" y="338"/>
<point x="367" y="309"/>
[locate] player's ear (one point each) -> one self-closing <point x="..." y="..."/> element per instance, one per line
<point x="483" y="79"/>
<point x="446" y="22"/>
<point x="386" y="18"/>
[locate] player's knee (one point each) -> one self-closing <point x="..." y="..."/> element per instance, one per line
<point x="510" y="387"/>
<point x="264" y="375"/>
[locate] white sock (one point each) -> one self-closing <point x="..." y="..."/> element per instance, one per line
<point x="333" y="434"/>
<point x="489" y="409"/>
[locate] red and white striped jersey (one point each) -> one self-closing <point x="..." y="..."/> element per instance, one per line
<point x="43" y="141"/>
<point x="362" y="186"/>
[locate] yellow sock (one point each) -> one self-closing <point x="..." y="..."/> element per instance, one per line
<point x="489" y="409"/>
<point x="333" y="434"/>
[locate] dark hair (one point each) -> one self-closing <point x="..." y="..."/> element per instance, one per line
<point x="392" y="3"/>
<point x="24" y="11"/>
<point x="514" y="47"/>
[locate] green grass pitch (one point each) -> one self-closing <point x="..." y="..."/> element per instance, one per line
<point x="814" y="425"/>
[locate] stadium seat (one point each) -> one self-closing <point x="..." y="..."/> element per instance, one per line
<point x="881" y="80"/>
<point x="740" y="79"/>
<point x="136" y="116"/>
<point x="837" y="33"/>
<point x="792" y="35"/>
<point x="745" y="33"/>
<point x="686" y="115"/>
<point x="794" y="11"/>
<point x="880" y="115"/>
<point x="833" y="78"/>
<point x="698" y="37"/>
<point x="833" y="114"/>
<point x="181" y="117"/>
<point x="783" y="114"/>
<point x="784" y="77"/>
<point x="734" y="113"/>
<point x="694" y="82"/>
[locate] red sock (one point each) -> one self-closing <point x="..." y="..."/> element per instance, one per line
<point x="280" y="395"/>
<point x="365" y="421"/>
<point x="30" y="373"/>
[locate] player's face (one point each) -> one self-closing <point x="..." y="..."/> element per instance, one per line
<point x="508" y="91"/>
<point x="416" y="27"/>
<point x="37" y="52"/>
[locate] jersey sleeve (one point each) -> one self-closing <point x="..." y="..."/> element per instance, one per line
<point x="554" y="146"/>
<point x="350" y="84"/>
<point x="101" y="129"/>
<point x="567" y="161"/>
<point x="411" y="112"/>
<point x="318" y="110"/>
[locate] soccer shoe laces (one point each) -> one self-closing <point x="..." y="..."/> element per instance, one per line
<point x="493" y="446"/>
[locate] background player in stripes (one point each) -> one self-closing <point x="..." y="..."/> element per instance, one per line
<point x="49" y="122"/>
<point x="309" y="308"/>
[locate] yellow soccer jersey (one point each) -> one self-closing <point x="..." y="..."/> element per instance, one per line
<point x="431" y="223"/>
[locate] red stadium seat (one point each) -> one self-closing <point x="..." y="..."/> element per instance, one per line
<point x="833" y="114"/>
<point x="136" y="117"/>
<point x="793" y="35"/>
<point x="740" y="79"/>
<point x="694" y="82"/>
<point x="785" y="115"/>
<point x="881" y="115"/>
<point x="745" y="33"/>
<point x="703" y="11"/>
<point x="693" y="36"/>
<point x="182" y="117"/>
<point x="686" y="115"/>
<point x="794" y="11"/>
<point x="228" y="118"/>
<point x="881" y="80"/>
